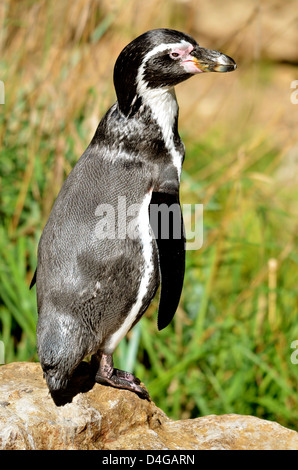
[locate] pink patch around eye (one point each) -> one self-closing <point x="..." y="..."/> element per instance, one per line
<point x="183" y="50"/>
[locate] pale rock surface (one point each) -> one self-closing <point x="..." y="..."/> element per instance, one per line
<point x="107" y="418"/>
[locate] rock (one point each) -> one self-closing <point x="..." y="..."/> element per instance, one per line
<point x="111" y="419"/>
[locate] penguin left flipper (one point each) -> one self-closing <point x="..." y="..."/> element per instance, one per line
<point x="170" y="240"/>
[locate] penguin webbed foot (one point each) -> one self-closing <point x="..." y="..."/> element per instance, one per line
<point x="117" y="381"/>
<point x="107" y="375"/>
<point x="122" y="374"/>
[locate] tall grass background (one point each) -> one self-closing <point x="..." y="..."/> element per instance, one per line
<point x="228" y="349"/>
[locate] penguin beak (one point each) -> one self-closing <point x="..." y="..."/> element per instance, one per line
<point x="205" y="60"/>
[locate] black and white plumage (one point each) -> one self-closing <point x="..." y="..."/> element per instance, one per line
<point x="91" y="289"/>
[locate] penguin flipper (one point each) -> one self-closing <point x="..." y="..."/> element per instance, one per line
<point x="170" y="240"/>
<point x="33" y="281"/>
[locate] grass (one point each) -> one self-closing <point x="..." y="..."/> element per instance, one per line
<point x="228" y="349"/>
<point x="230" y="345"/>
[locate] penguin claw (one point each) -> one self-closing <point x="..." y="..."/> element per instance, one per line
<point x="120" y="381"/>
<point x="122" y="374"/>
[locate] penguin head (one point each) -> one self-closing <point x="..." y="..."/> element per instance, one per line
<point x="160" y="59"/>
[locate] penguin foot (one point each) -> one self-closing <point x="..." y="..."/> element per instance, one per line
<point x="107" y="375"/>
<point x="118" y="382"/>
<point x="122" y="374"/>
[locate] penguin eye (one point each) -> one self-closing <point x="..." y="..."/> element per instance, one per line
<point x="174" y="55"/>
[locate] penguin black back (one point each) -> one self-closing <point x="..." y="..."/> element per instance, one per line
<point x="104" y="250"/>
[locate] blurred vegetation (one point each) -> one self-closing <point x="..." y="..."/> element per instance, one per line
<point x="228" y="349"/>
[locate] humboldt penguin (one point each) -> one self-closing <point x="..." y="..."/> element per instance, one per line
<point x="105" y="249"/>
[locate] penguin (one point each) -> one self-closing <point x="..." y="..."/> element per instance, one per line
<point x="101" y="256"/>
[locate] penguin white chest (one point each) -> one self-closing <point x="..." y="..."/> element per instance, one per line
<point x="164" y="109"/>
<point x="146" y="273"/>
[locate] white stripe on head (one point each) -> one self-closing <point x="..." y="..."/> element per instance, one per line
<point x="162" y="101"/>
<point x="182" y="45"/>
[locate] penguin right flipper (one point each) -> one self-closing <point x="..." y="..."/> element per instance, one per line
<point x="170" y="240"/>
